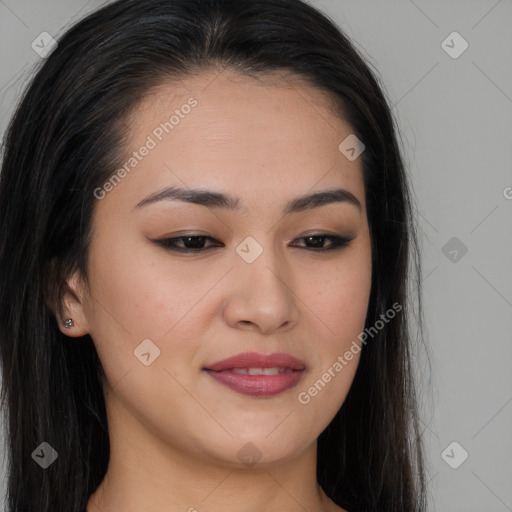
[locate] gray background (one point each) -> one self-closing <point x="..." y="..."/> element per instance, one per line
<point x="455" y="117"/>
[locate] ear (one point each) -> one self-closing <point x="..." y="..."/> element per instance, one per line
<point x="72" y="306"/>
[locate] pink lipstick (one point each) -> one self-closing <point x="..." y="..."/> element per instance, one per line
<point x="256" y="374"/>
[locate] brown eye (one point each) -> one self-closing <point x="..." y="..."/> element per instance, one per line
<point x="317" y="242"/>
<point x="190" y="243"/>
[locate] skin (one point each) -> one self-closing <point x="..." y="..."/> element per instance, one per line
<point x="174" y="431"/>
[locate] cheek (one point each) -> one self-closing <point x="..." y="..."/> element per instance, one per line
<point x="139" y="297"/>
<point x="342" y="306"/>
<point x="147" y="308"/>
<point x="147" y="290"/>
<point x="340" y="297"/>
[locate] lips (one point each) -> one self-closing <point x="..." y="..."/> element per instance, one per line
<point x="255" y="360"/>
<point x="256" y="374"/>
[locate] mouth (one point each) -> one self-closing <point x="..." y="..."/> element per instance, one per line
<point x="258" y="374"/>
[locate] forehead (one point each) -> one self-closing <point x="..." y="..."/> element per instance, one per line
<point x="271" y="136"/>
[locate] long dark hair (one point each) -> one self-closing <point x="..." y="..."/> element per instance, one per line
<point x="64" y="141"/>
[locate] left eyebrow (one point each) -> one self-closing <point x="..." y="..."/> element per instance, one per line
<point x="214" y="199"/>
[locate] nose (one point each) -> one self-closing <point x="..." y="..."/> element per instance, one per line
<point x="263" y="297"/>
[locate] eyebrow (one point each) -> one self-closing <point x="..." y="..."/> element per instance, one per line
<point x="213" y="199"/>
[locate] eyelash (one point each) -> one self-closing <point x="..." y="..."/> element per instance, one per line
<point x="338" y="243"/>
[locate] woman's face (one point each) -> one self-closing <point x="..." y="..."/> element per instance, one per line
<point x="160" y="318"/>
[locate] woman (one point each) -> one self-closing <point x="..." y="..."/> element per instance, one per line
<point x="206" y="234"/>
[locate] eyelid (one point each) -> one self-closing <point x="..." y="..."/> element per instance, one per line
<point x="166" y="240"/>
<point x="338" y="242"/>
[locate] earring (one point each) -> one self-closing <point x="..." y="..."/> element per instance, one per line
<point x="68" y="323"/>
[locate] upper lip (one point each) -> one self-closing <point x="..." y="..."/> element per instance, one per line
<point x="255" y="360"/>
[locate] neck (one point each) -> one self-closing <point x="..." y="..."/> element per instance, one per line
<point x="148" y="474"/>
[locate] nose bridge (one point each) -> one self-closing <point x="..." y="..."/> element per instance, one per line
<point x="263" y="294"/>
<point x="260" y="262"/>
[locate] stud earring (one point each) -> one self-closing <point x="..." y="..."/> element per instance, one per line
<point x="68" y="323"/>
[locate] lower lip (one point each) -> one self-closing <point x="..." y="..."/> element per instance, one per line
<point x="257" y="385"/>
